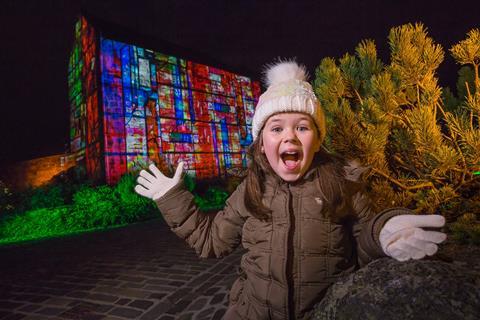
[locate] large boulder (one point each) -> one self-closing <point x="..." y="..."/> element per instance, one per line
<point x="416" y="289"/>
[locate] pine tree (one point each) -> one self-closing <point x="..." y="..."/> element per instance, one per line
<point x="423" y="150"/>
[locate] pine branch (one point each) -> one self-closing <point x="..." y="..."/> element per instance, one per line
<point x="457" y="147"/>
<point x="405" y="166"/>
<point x="418" y="93"/>
<point x="477" y="80"/>
<point x="400" y="184"/>
<point x="469" y="98"/>
<point x="399" y="118"/>
<point x="358" y="96"/>
<point x="470" y="181"/>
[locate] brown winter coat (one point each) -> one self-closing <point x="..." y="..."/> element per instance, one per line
<point x="292" y="259"/>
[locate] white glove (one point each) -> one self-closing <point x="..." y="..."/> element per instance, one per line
<point x="156" y="185"/>
<point x="402" y="237"/>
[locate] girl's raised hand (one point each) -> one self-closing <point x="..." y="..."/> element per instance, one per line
<point x="155" y="184"/>
<point x="403" y="238"/>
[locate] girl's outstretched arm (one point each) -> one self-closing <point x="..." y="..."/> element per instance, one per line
<point x="394" y="232"/>
<point x="211" y="235"/>
<point x="367" y="224"/>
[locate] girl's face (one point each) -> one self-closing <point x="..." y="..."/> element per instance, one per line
<point x="289" y="141"/>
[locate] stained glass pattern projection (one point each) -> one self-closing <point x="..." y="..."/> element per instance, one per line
<point x="170" y="109"/>
<point x="85" y="138"/>
<point x="152" y="107"/>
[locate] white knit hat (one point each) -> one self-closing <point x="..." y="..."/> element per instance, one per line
<point x="288" y="91"/>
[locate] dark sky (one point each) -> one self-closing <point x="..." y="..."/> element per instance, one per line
<point x="36" y="38"/>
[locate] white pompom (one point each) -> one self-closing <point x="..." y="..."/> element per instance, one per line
<point x="285" y="71"/>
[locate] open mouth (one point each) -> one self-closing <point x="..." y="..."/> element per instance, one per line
<point x="291" y="159"/>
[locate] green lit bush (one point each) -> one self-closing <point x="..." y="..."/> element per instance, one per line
<point x="189" y="182"/>
<point x="35" y="223"/>
<point x="210" y="200"/>
<point x="134" y="207"/>
<point x="61" y="208"/>
<point x="96" y="207"/>
<point x="46" y="197"/>
<point x="88" y="196"/>
<point x="6" y="199"/>
<point x="70" y="206"/>
<point x="213" y="199"/>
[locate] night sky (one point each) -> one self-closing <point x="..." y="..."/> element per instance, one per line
<point x="241" y="35"/>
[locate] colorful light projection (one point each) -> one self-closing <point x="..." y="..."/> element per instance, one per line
<point x="85" y="138"/>
<point x="158" y="108"/>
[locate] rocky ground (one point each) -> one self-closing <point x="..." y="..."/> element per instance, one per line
<point x="467" y="255"/>
<point x="445" y="286"/>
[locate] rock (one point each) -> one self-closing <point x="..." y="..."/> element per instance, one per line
<point x="416" y="289"/>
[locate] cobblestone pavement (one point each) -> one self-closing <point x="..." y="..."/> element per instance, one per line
<point x="142" y="271"/>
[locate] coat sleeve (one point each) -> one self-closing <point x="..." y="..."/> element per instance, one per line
<point x="367" y="224"/>
<point x="210" y="234"/>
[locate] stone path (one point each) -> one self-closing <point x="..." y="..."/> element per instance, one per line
<point x="142" y="271"/>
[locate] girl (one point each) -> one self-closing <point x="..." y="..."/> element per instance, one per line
<point x="301" y="213"/>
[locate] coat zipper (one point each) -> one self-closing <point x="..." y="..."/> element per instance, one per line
<point x="289" y="267"/>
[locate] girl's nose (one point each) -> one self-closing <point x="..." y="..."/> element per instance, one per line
<point x="290" y="136"/>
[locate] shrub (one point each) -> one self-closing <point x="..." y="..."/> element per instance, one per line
<point x="104" y="213"/>
<point x="89" y="196"/>
<point x="213" y="199"/>
<point x="189" y="182"/>
<point x="6" y="199"/>
<point x="46" y="197"/>
<point x="35" y="223"/>
<point x="96" y="207"/>
<point x="423" y="150"/>
<point x="59" y="209"/>
<point x="134" y="207"/>
<point x="62" y="208"/>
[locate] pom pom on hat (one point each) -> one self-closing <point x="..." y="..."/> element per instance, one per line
<point x="284" y="71"/>
<point x="288" y="91"/>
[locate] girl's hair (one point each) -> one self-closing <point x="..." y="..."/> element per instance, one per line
<point x="254" y="187"/>
<point x="330" y="180"/>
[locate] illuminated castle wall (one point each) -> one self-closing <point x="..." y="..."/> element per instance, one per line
<point x="131" y="106"/>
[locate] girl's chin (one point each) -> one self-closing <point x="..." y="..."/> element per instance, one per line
<point x="290" y="176"/>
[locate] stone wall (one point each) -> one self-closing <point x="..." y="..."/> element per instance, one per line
<point x="35" y="172"/>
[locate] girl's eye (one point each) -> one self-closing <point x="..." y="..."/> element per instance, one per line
<point x="276" y="129"/>
<point x="303" y="128"/>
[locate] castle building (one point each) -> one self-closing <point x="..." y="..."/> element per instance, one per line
<point x="131" y="105"/>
